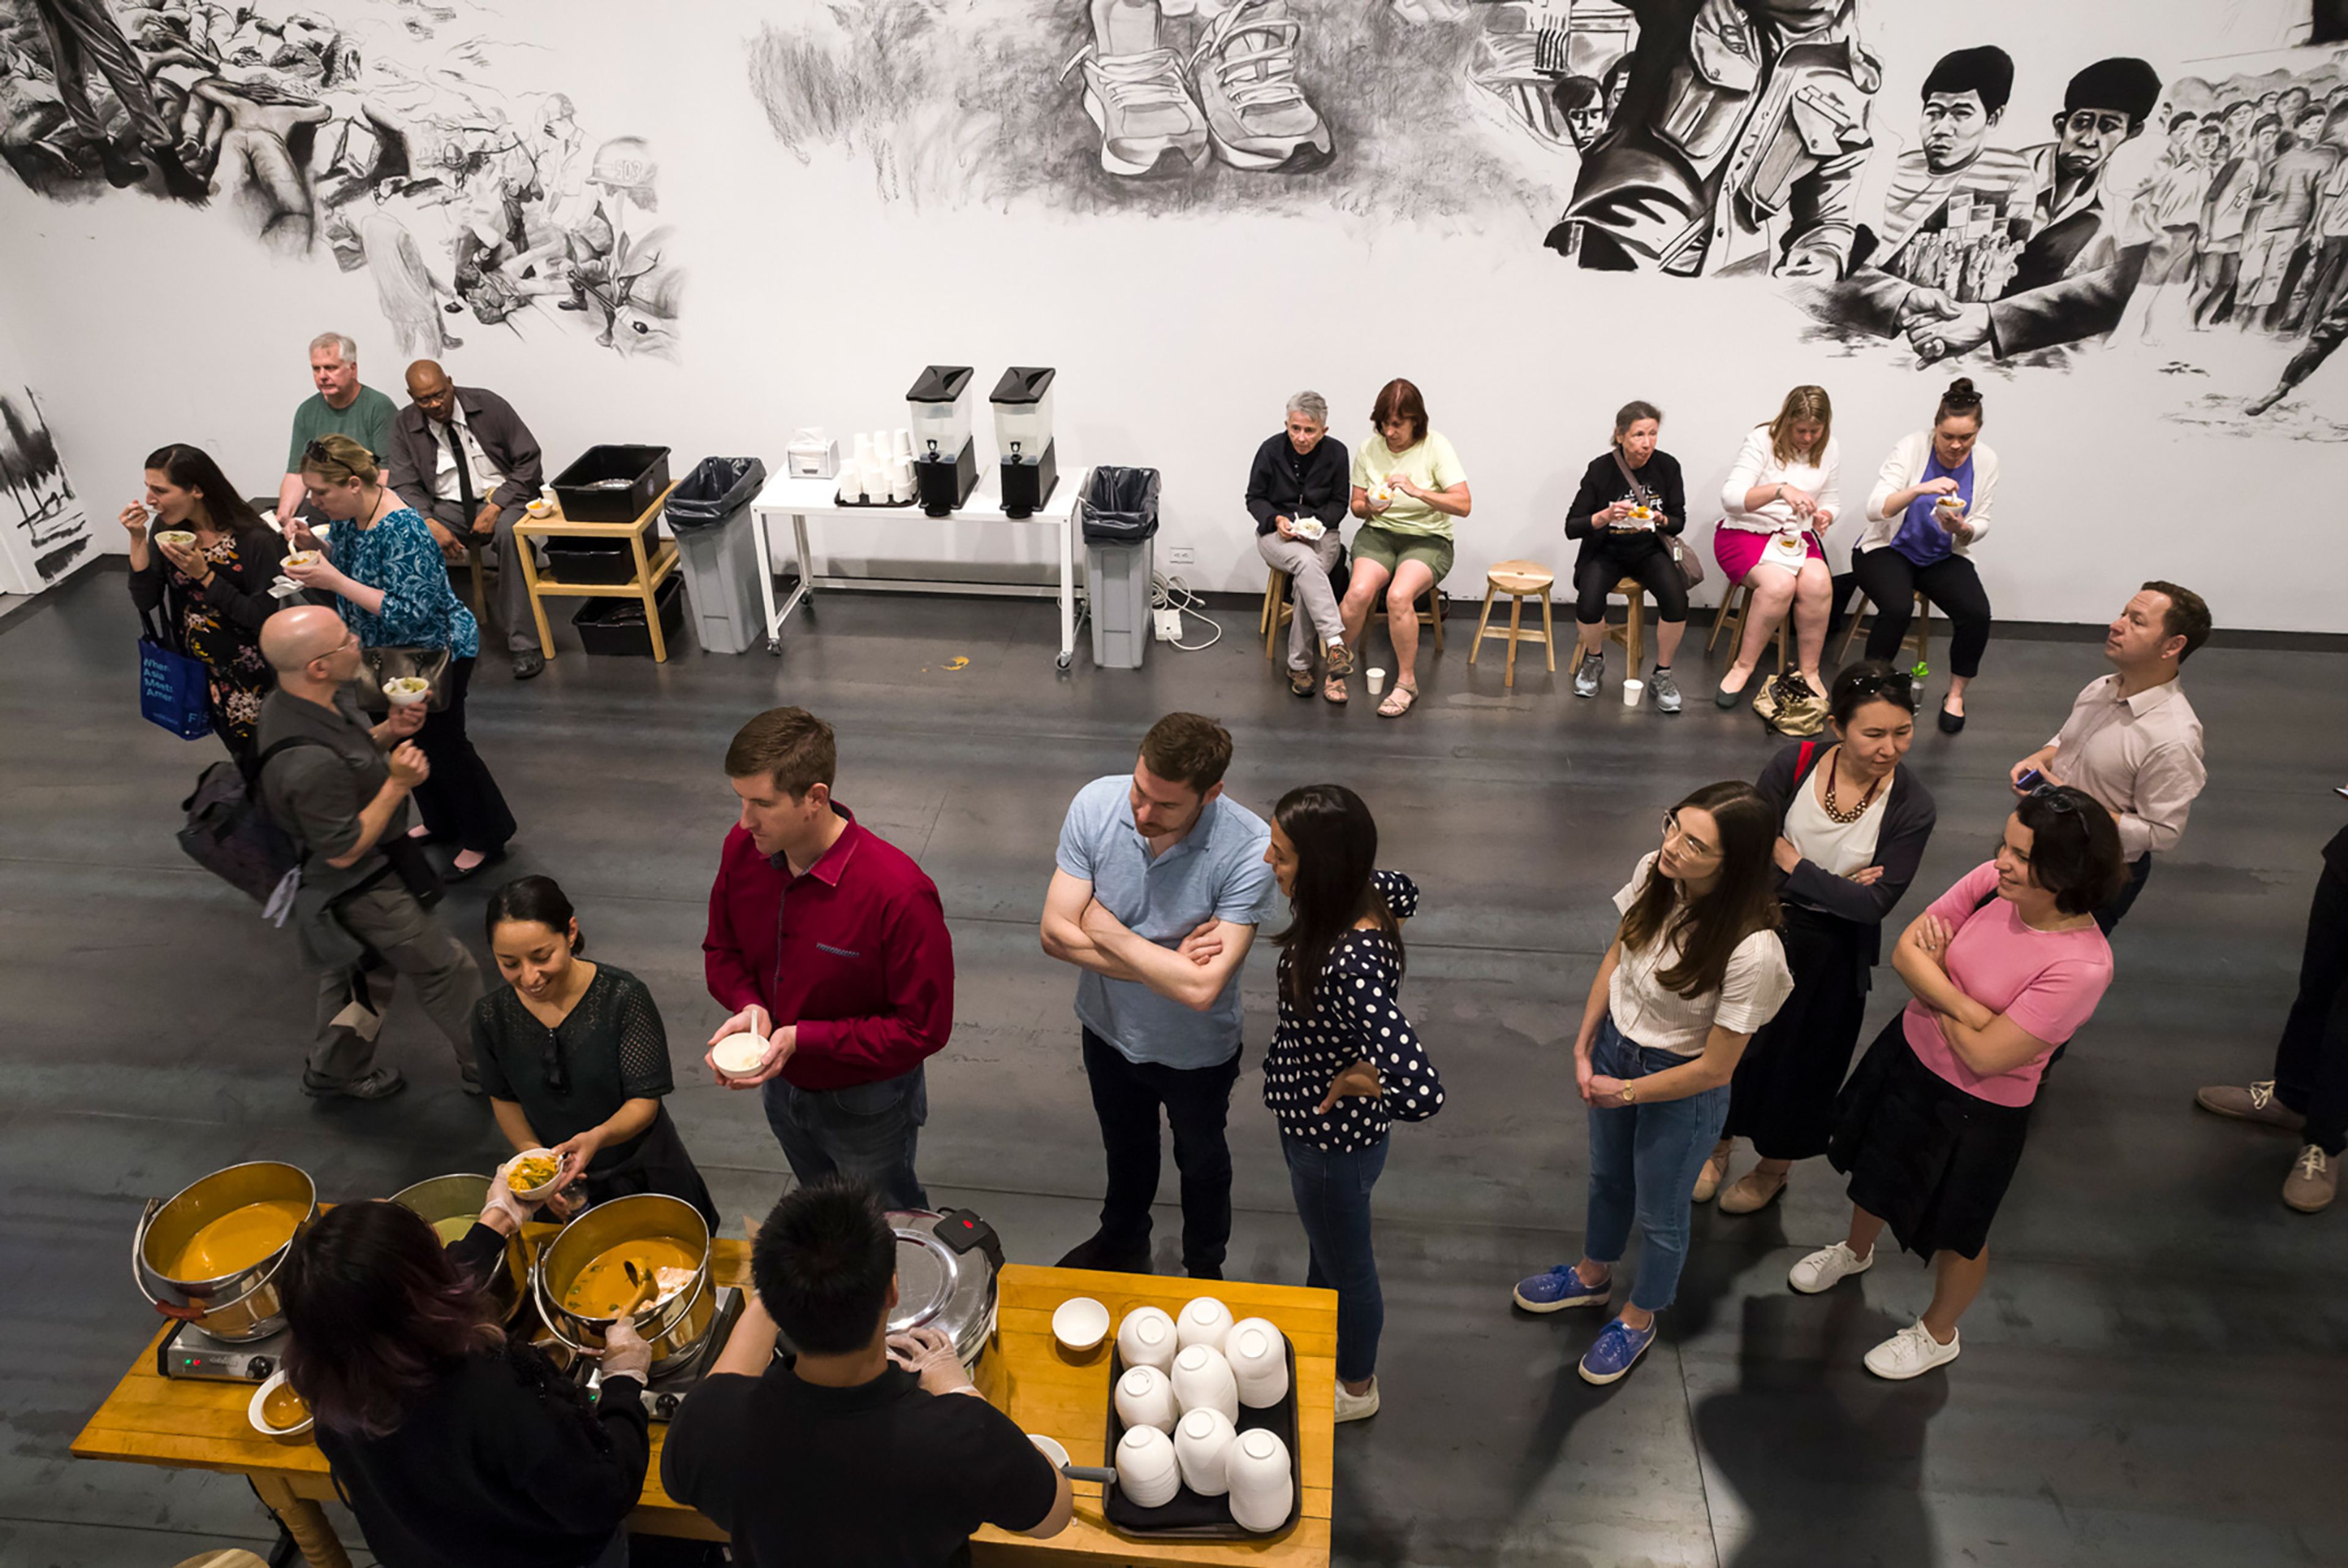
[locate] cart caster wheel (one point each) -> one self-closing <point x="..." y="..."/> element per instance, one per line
<point x="774" y="647"/>
<point x="1063" y="660"/>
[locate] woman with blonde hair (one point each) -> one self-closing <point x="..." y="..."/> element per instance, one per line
<point x="393" y="587"/>
<point x="1783" y="494"/>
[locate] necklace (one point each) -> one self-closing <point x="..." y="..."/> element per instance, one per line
<point x="1834" y="814"/>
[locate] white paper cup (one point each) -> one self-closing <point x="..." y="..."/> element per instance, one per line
<point x="1632" y="690"/>
<point x="739" y="1053"/>
<point x="181" y="538"/>
<point x="1377" y="680"/>
<point x="532" y="1195"/>
<point x="405" y="691"/>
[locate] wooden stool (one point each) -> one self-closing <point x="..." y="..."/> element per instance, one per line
<point x="1632" y="633"/>
<point x="1920" y="630"/>
<point x="1730" y="618"/>
<point x="1430" y="614"/>
<point x="1277" y="611"/>
<point x="230" y="1557"/>
<point x="1520" y="580"/>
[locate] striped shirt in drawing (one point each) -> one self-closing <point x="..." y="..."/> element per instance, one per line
<point x="1996" y="191"/>
<point x="1357" y="1015"/>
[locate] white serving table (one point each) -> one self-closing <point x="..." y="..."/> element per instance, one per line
<point x="801" y="500"/>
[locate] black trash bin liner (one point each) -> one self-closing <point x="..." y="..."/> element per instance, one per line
<point x="716" y="489"/>
<point x="1119" y="506"/>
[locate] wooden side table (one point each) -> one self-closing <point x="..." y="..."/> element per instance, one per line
<point x="654" y="560"/>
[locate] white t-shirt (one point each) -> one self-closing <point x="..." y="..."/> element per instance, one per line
<point x="1838" y="848"/>
<point x="1651" y="1015"/>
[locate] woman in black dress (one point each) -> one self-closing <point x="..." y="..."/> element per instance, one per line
<point x="1630" y="509"/>
<point x="573" y="1057"/>
<point x="214" y="593"/>
<point x="1854" y="822"/>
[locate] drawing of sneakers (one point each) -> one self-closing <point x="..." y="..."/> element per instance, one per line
<point x="1148" y="122"/>
<point x="1245" y="71"/>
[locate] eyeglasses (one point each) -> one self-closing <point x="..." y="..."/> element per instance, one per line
<point x="1695" y="846"/>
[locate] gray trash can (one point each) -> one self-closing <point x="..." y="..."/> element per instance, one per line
<point x="1119" y="513"/>
<point x="717" y="555"/>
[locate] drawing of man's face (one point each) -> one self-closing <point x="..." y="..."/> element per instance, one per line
<point x="2088" y="139"/>
<point x="2206" y="142"/>
<point x="2238" y="124"/>
<point x="1955" y="126"/>
<point x="2263" y="139"/>
<point x="2180" y="137"/>
<point x="1584" y="124"/>
<point x="2294" y="104"/>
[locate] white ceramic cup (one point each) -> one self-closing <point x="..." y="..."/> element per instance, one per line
<point x="406" y="696"/>
<point x="1079" y="1323"/>
<point x="1632" y="690"/>
<point x="1146" y="1470"/>
<point x="1263" y="1481"/>
<point x="1258" y="1358"/>
<point x="1049" y="1448"/>
<point x="1204" y="1320"/>
<point x="1203" y="1381"/>
<point x="1377" y="679"/>
<point x="1146" y="1338"/>
<point x="1201" y="1444"/>
<point x="1144" y="1397"/>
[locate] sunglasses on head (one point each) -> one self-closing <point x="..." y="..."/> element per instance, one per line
<point x="2061" y="799"/>
<point x="1900" y="685"/>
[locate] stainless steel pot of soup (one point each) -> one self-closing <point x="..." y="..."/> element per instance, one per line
<point x="209" y="1254"/>
<point x="946" y="1265"/>
<point x="600" y="1261"/>
<point x="452" y="1205"/>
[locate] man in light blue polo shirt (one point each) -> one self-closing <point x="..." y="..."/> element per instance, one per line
<point x="1161" y="885"/>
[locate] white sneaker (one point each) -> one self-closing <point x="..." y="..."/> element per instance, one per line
<point x="1245" y="71"/>
<point x="1827" y="1267"/>
<point x="1148" y="122"/>
<point x="1357" y="1406"/>
<point x="1910" y="1352"/>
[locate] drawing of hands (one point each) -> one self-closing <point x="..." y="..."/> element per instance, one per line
<point x="1966" y="329"/>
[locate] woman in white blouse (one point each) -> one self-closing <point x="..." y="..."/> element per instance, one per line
<point x="1930" y="505"/>
<point x="1782" y="495"/>
<point x="1694" y="968"/>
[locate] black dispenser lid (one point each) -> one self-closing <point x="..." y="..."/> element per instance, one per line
<point x="940" y="384"/>
<point x="1023" y="384"/>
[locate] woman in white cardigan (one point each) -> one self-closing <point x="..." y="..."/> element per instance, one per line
<point x="1780" y="497"/>
<point x="1931" y="503"/>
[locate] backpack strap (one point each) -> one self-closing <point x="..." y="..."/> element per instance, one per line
<point x="261" y="763"/>
<point x="1805" y="760"/>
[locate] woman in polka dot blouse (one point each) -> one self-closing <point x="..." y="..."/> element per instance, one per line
<point x="1345" y="1064"/>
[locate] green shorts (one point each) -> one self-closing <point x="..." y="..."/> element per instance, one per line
<point x="1390" y="550"/>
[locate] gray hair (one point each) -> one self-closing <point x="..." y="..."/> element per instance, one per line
<point x="1311" y="404"/>
<point x="344" y="348"/>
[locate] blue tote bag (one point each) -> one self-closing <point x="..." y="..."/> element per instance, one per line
<point x="173" y="689"/>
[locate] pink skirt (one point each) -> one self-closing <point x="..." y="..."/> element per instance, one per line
<point x="1739" y="550"/>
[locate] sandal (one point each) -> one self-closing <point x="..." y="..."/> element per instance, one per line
<point x="1334" y="691"/>
<point x="1398" y="702"/>
<point x="1340" y="656"/>
<point x="1301" y="682"/>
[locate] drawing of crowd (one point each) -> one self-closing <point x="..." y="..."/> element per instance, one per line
<point x="455" y="197"/>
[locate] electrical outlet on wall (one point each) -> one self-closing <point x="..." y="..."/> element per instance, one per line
<point x="1181" y="555"/>
<point x="1168" y="623"/>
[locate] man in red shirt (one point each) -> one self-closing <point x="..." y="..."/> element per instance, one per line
<point x="828" y="942"/>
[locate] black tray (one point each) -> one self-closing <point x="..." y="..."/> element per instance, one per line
<point x="1190" y="1517"/>
<point x="840" y="500"/>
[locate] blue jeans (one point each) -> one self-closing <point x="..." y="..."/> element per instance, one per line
<point x="867" y="1130"/>
<point x="1644" y="1160"/>
<point x="1333" y="1199"/>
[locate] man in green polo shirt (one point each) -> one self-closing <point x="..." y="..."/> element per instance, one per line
<point x="340" y="406"/>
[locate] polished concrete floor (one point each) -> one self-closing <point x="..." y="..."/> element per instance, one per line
<point x="2154" y="1376"/>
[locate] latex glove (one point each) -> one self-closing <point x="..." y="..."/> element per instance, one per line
<point x="625" y="1353"/>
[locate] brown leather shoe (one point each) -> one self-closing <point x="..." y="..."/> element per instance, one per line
<point x="2252" y="1102"/>
<point x="2314" y="1180"/>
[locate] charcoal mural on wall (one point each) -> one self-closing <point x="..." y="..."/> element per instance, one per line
<point x="1692" y="138"/>
<point x="44" y="531"/>
<point x="377" y="138"/>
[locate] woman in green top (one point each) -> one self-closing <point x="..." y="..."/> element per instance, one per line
<point x="1409" y="490"/>
<point x="573" y="1058"/>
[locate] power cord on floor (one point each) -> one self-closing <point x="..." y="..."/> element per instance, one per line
<point x="1172" y="593"/>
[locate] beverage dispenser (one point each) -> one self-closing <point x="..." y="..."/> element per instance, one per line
<point x="1022" y="438"/>
<point x="945" y="462"/>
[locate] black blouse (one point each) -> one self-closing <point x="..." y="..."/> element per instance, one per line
<point x="1908" y="819"/>
<point x="609" y="1049"/>
<point x="238" y="594"/>
<point x="1602" y="486"/>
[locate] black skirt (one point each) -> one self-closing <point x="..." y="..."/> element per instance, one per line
<point x="1928" y="1159"/>
<point x="1783" y="1096"/>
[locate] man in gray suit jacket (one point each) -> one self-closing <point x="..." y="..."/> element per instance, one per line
<point x="463" y="457"/>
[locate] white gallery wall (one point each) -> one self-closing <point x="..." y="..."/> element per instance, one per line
<point x="817" y="280"/>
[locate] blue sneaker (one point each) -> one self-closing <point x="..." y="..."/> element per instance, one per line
<point x="1617" y="1351"/>
<point x="1560" y="1289"/>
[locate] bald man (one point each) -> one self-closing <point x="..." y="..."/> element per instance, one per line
<point x="339" y="788"/>
<point x="463" y="457"/>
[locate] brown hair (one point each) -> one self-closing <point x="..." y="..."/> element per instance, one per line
<point x="1188" y="748"/>
<point x="1631" y="412"/>
<point x="1743" y="899"/>
<point x="1802" y="402"/>
<point x="2075" y="847"/>
<point x="192" y="468"/>
<point x="2188" y="617"/>
<point x="1960" y="402"/>
<point x="335" y="458"/>
<point x="789" y="745"/>
<point x="1398" y="399"/>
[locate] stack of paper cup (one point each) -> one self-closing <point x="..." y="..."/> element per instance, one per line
<point x="904" y="444"/>
<point x="903" y="488"/>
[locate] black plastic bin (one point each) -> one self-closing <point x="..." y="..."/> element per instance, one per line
<point x="617" y="625"/>
<point x="595" y="560"/>
<point x="585" y="497"/>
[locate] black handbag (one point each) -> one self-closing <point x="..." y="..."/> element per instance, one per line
<point x="378" y="665"/>
<point x="1690" y="568"/>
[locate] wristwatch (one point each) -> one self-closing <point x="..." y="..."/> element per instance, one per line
<point x="1630" y="1095"/>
